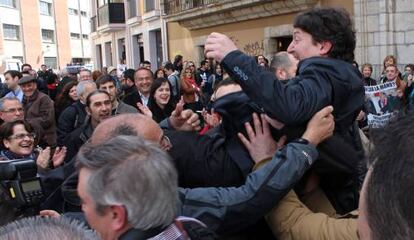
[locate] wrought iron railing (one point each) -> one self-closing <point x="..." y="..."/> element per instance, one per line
<point x="178" y="6"/>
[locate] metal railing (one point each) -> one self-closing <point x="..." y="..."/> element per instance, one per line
<point x="178" y="6"/>
<point x="111" y="13"/>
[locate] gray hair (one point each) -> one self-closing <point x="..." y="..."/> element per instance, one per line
<point x="280" y="60"/>
<point x="86" y="70"/>
<point x="38" y="228"/>
<point x="130" y="171"/>
<point x="4" y="99"/>
<point x="80" y="88"/>
<point x="64" y="72"/>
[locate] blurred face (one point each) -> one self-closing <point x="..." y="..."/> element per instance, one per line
<point x="29" y="88"/>
<point x="364" y="231"/>
<point x="85" y="76"/>
<point x="13" y="110"/>
<point x="188" y="73"/>
<point x="218" y="69"/>
<point x="260" y="59"/>
<point x="191" y="66"/>
<point x="72" y="93"/>
<point x="162" y="95"/>
<point x="26" y="68"/>
<point x="291" y="70"/>
<point x="21" y="142"/>
<point x="160" y="74"/>
<point x="44" y="68"/>
<point x="146" y="65"/>
<point x="390" y="61"/>
<point x="110" y="88"/>
<point x="302" y="45"/>
<point x="408" y="70"/>
<point x="88" y="89"/>
<point x="143" y="81"/>
<point x="366" y="72"/>
<point x="10" y="81"/>
<point x="224" y="90"/>
<point x="100" y="222"/>
<point x="100" y="107"/>
<point x="391" y="73"/>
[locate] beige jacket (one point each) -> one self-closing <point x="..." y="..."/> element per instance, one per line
<point x="291" y="220"/>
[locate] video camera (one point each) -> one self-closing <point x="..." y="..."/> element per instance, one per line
<point x="19" y="179"/>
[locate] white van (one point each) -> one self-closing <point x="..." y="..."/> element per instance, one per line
<point x="9" y="64"/>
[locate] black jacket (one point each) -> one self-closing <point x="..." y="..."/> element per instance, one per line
<point x="70" y="119"/>
<point x="319" y="82"/>
<point x="131" y="96"/>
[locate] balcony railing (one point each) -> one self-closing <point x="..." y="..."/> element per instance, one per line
<point x="94" y="24"/>
<point x="178" y="6"/>
<point x="111" y="13"/>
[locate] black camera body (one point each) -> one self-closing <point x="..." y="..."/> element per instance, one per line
<point x="19" y="179"/>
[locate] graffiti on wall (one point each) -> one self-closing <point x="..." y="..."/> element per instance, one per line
<point x="253" y="48"/>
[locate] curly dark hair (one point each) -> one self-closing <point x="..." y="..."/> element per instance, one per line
<point x="333" y="25"/>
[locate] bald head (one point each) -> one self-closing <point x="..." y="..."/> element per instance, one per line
<point x="285" y="65"/>
<point x="133" y="124"/>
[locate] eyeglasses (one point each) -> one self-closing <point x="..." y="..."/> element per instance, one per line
<point x="23" y="135"/>
<point x="13" y="110"/>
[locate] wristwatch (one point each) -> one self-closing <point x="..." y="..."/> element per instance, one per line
<point x="301" y="141"/>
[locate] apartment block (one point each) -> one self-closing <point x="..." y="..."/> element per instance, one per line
<point x="128" y="31"/>
<point x="39" y="32"/>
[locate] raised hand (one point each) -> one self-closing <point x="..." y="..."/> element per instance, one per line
<point x="58" y="156"/>
<point x="144" y="110"/>
<point x="320" y="127"/>
<point x="260" y="143"/>
<point x="217" y="46"/>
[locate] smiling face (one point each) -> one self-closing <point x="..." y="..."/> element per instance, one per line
<point x="391" y="72"/>
<point x="99" y="108"/>
<point x="162" y="95"/>
<point x="143" y="81"/>
<point x="366" y="72"/>
<point x="20" y="142"/>
<point x="28" y="88"/>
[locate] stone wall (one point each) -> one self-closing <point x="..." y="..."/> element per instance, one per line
<point x="384" y="27"/>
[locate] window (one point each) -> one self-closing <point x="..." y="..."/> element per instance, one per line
<point x="83" y="13"/>
<point x="45" y="8"/>
<point x="48" y="36"/>
<point x="74" y="35"/>
<point x="51" y="62"/>
<point x="18" y="58"/>
<point x="149" y="5"/>
<point x="8" y="3"/>
<point x="11" y="32"/>
<point x="73" y="11"/>
<point x="85" y="36"/>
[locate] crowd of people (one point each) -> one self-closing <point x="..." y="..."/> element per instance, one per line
<point x="239" y="148"/>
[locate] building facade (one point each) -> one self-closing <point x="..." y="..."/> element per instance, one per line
<point x="127" y="32"/>
<point x="39" y="32"/>
<point x="257" y="27"/>
<point x="383" y="27"/>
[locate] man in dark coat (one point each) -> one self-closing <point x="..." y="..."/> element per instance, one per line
<point x="324" y="42"/>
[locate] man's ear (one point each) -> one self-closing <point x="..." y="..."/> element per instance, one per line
<point x="88" y="110"/>
<point x="280" y="74"/>
<point x="119" y="217"/>
<point x="325" y="47"/>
